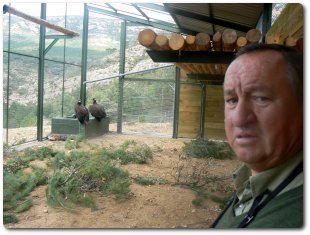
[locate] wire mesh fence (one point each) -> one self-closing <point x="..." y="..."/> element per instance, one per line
<point x="146" y="101"/>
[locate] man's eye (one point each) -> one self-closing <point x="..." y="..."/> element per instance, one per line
<point x="261" y="99"/>
<point x="231" y="101"/>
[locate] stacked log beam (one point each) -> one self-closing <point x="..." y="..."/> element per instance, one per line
<point x="162" y="42"/>
<point x="227" y="41"/>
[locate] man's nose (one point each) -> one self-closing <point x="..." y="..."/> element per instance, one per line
<point x="243" y="114"/>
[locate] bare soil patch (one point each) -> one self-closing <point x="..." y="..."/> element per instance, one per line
<point x="154" y="206"/>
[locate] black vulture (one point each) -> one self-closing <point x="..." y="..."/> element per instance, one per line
<point x="81" y="112"/>
<point x="97" y="110"/>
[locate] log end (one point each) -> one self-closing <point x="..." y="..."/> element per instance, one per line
<point x="176" y="42"/>
<point x="241" y="42"/>
<point x="146" y="37"/>
<point x="229" y="36"/>
<point x="253" y="36"/>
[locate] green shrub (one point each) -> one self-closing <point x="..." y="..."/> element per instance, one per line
<point x="80" y="173"/>
<point x="201" y="148"/>
<point x="40" y="153"/>
<point x="24" y="206"/>
<point x="15" y="164"/>
<point x="9" y="218"/>
<point x="129" y="152"/>
<point x="73" y="142"/>
<point x="150" y="180"/>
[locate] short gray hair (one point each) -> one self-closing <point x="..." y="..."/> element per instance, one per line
<point x="293" y="58"/>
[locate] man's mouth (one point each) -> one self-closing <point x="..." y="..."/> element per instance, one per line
<point x="245" y="139"/>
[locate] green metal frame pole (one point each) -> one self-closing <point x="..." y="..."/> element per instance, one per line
<point x="176" y="103"/>
<point x="203" y="109"/>
<point x="64" y="68"/>
<point x="267" y="15"/>
<point x="84" y="54"/>
<point x="8" y="83"/>
<point x="41" y="76"/>
<point x="121" y="78"/>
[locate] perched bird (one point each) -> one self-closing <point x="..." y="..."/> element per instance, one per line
<point x="97" y="110"/>
<point x="81" y="112"/>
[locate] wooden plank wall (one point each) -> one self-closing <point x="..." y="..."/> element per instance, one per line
<point x="290" y="23"/>
<point x="190" y="110"/>
<point x="214" y="117"/>
<point x="189" y="107"/>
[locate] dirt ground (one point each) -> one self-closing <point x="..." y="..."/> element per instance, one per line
<point x="154" y="206"/>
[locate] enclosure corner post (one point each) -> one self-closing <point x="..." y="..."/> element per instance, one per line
<point x="176" y="103"/>
<point x="203" y="109"/>
<point x="267" y="15"/>
<point x="121" y="78"/>
<point x="84" y="54"/>
<point x="41" y="76"/>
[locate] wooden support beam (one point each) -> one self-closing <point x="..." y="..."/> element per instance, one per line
<point x="39" y="21"/>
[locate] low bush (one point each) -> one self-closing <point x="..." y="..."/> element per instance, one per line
<point x="201" y="148"/>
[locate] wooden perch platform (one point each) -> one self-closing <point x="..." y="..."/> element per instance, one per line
<point x="39" y="21"/>
<point x="202" y="53"/>
<point x="191" y="56"/>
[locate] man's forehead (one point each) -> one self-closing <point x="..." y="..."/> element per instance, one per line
<point x="247" y="88"/>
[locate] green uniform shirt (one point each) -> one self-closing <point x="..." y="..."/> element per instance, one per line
<point x="249" y="187"/>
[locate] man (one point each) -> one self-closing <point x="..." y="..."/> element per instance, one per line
<point x="263" y="94"/>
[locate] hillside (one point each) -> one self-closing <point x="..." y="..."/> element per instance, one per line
<point x="103" y="56"/>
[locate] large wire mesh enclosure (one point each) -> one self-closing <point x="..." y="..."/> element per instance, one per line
<point x="142" y="102"/>
<point x="45" y="73"/>
<point x="147" y="101"/>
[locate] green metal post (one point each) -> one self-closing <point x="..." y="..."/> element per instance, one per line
<point x="267" y="15"/>
<point x="41" y="76"/>
<point x="84" y="54"/>
<point x="121" y="78"/>
<point x="64" y="69"/>
<point x="176" y="103"/>
<point x="203" y="109"/>
<point x="8" y="83"/>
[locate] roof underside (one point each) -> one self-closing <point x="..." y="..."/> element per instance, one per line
<point x="187" y="18"/>
<point x="211" y="17"/>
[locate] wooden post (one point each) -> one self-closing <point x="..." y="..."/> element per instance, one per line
<point x="39" y="21"/>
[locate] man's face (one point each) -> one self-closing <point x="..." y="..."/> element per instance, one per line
<point x="263" y="117"/>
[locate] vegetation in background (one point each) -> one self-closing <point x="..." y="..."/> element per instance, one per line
<point x="17" y="184"/>
<point x="148" y="180"/>
<point x="79" y="176"/>
<point x="73" y="142"/>
<point x="192" y="170"/>
<point x="129" y="152"/>
<point x="76" y="178"/>
<point x="202" y="148"/>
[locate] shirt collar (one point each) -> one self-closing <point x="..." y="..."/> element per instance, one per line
<point x="268" y="179"/>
